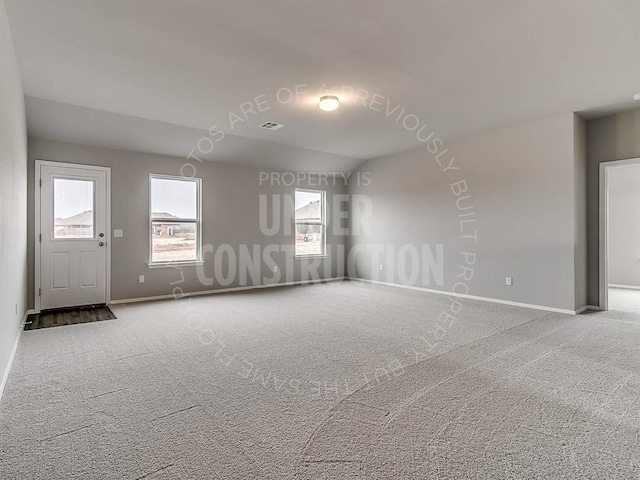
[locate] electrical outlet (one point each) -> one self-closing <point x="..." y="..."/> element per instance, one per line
<point x="509" y="281"/>
<point x="380" y="266"/>
<point x="275" y="268"/>
<point x="141" y="278"/>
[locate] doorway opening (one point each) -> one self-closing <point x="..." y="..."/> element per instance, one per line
<point x="620" y="235"/>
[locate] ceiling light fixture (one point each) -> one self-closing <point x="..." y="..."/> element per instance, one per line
<point x="329" y="103"/>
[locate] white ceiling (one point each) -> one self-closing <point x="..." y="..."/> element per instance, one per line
<point x="461" y="66"/>
<point x="63" y="122"/>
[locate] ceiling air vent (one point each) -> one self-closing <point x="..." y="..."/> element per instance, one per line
<point x="271" y="125"/>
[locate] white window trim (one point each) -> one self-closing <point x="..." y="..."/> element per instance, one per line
<point x="198" y="222"/>
<point x="323" y="223"/>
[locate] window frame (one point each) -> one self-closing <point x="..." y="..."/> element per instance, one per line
<point x="323" y="224"/>
<point x="198" y="222"/>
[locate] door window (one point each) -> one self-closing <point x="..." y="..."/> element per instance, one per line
<point x="73" y="208"/>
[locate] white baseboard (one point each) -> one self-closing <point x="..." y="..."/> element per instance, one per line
<point x="334" y="279"/>
<point x="587" y="307"/>
<point x="5" y="375"/>
<point x="224" y="290"/>
<point x="630" y="287"/>
<point x="470" y="297"/>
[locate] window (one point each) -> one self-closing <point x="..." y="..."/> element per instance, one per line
<point x="174" y="219"/>
<point x="310" y="222"/>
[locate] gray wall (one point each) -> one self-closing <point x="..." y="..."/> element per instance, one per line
<point x="13" y="197"/>
<point x="615" y="137"/>
<point x="519" y="178"/>
<point x="580" y="218"/>
<point x="624" y="226"/>
<point x="525" y="196"/>
<point x="230" y="213"/>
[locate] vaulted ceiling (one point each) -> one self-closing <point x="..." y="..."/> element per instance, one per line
<point x="451" y="67"/>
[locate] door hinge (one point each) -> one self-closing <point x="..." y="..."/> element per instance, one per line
<point x="39" y="292"/>
<point x="39" y="237"/>
<point x="40" y="183"/>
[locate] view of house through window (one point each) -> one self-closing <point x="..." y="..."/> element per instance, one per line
<point x="72" y="208"/>
<point x="310" y="224"/>
<point x="175" y="219"/>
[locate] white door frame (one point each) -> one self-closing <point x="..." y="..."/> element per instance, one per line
<point x="37" y="223"/>
<point x="603" y="283"/>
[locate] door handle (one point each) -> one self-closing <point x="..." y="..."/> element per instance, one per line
<point x="101" y="244"/>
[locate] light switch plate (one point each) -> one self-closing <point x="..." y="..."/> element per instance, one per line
<point x="118" y="233"/>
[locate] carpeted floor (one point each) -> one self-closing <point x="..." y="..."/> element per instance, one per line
<point x="336" y="381"/>
<point x="624" y="299"/>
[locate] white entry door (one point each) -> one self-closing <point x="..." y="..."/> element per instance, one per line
<point x="73" y="235"/>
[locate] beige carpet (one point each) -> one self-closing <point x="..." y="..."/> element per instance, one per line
<point x="335" y="381"/>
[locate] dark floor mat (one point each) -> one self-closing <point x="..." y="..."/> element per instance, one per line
<point x="68" y="316"/>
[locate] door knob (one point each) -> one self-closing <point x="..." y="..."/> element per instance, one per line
<point x="101" y="244"/>
<point x="101" y="235"/>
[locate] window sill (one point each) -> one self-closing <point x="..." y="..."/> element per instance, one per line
<point x="187" y="263"/>
<point x="301" y="257"/>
